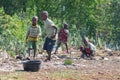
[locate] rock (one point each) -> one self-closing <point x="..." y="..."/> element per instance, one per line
<point x="55" y="57"/>
<point x="108" y="50"/>
<point x="20" y="57"/>
<point x="97" y="58"/>
<point x="62" y="56"/>
<point x="101" y="73"/>
<point x="73" y="52"/>
<point x="105" y="58"/>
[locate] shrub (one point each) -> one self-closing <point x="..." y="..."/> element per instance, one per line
<point x="12" y="34"/>
<point x="68" y="62"/>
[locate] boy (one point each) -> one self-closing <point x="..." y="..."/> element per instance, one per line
<point x="32" y="35"/>
<point x="51" y="31"/>
<point x="63" y="37"/>
<point x="88" y="50"/>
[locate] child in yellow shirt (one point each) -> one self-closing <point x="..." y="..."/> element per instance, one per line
<point x="32" y="35"/>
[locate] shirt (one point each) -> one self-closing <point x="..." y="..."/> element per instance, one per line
<point x="63" y="35"/>
<point x="48" y="24"/>
<point x="33" y="33"/>
<point x="91" y="47"/>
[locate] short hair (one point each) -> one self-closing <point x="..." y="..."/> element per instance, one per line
<point x="65" y="24"/>
<point x="45" y="12"/>
<point x="35" y="17"/>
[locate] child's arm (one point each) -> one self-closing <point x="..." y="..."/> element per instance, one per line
<point x="81" y="48"/>
<point x="39" y="31"/>
<point x="53" y="36"/>
<point x="66" y="33"/>
<point x="27" y="34"/>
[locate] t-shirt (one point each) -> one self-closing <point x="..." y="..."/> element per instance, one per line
<point x="63" y="35"/>
<point x="33" y="33"/>
<point x="50" y="31"/>
<point x="91" y="47"/>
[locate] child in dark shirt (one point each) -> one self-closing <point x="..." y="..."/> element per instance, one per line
<point x="63" y="37"/>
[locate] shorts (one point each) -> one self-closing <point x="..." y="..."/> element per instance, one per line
<point x="49" y="44"/>
<point x="32" y="44"/>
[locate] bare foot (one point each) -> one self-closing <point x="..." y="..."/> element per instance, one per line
<point x="46" y="60"/>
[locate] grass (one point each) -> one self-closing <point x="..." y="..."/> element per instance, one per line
<point x="68" y="62"/>
<point x="44" y="75"/>
<point x="12" y="76"/>
<point x="66" y="75"/>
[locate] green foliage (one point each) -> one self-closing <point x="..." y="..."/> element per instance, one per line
<point x="13" y="6"/>
<point x="12" y="54"/>
<point x="13" y="32"/>
<point x="68" y="62"/>
<point x="97" y="19"/>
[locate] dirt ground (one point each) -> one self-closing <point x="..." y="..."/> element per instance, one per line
<point x="105" y="66"/>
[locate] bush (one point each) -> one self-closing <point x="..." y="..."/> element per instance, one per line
<point x="68" y="62"/>
<point x="12" y="34"/>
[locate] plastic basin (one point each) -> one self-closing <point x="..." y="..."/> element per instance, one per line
<point x="31" y="65"/>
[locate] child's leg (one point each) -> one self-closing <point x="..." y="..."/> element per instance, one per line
<point x="29" y="48"/>
<point x="34" y="48"/>
<point x="92" y="54"/>
<point x="49" y="55"/>
<point x="49" y="47"/>
<point x="83" y="54"/>
<point x="66" y="47"/>
<point x="29" y="51"/>
<point x="58" y="45"/>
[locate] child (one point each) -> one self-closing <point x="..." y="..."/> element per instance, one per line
<point x="32" y="35"/>
<point x="63" y="37"/>
<point x="51" y="31"/>
<point x="88" y="50"/>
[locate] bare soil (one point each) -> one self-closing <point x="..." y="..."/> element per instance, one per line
<point x="105" y="66"/>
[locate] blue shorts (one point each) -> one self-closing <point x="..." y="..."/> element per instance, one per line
<point x="49" y="44"/>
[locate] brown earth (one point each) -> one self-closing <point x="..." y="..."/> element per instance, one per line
<point x="105" y="66"/>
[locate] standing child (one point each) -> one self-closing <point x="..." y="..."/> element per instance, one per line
<point x="63" y="37"/>
<point x="34" y="31"/>
<point x="51" y="31"/>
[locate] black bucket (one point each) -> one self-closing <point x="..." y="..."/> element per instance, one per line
<point x="32" y="65"/>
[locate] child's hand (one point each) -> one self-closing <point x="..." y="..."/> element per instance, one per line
<point x="81" y="48"/>
<point x="52" y="36"/>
